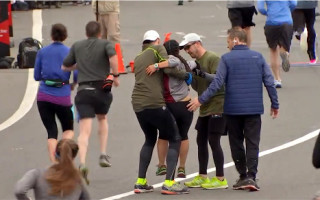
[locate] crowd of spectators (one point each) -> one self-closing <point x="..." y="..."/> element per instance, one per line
<point x="23" y="5"/>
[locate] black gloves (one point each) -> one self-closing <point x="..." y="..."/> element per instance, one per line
<point x="107" y="85"/>
<point x="197" y="71"/>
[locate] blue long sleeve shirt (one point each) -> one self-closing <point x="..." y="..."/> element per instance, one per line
<point x="243" y="72"/>
<point x="48" y="66"/>
<point x="277" y="12"/>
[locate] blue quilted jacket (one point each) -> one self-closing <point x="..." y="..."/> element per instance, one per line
<point x="243" y="72"/>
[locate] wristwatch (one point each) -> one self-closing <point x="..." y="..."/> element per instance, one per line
<point x="156" y="66"/>
<point x="115" y="75"/>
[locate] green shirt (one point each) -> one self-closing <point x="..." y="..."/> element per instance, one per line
<point x="148" y="90"/>
<point x="209" y="63"/>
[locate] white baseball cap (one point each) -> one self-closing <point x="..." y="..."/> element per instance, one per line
<point x="190" y="37"/>
<point x="151" y="35"/>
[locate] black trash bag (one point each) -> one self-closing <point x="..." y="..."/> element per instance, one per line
<point x="6" y="62"/>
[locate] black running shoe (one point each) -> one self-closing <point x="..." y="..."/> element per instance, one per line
<point x="246" y="184"/>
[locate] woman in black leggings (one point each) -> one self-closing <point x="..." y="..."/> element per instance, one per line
<point x="54" y="94"/>
<point x="177" y="98"/>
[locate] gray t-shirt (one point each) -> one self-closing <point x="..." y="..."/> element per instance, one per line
<point x="34" y="179"/>
<point x="239" y="4"/>
<point x="92" y="59"/>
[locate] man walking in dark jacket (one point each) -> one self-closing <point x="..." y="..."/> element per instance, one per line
<point x="243" y="71"/>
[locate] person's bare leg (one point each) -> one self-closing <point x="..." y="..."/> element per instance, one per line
<point x="103" y="133"/>
<point x="162" y="147"/>
<point x="184" y="149"/>
<point x="249" y="36"/>
<point x="52" y="145"/>
<point x="68" y="134"/>
<point x="275" y="63"/>
<point x="83" y="139"/>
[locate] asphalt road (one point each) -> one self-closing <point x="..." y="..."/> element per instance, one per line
<point x="284" y="173"/>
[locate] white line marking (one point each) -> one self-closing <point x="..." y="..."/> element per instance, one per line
<point x="180" y="33"/>
<point x="207" y="17"/>
<point x="230" y="164"/>
<point x="32" y="85"/>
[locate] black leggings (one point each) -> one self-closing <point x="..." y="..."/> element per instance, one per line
<point x="182" y="116"/>
<point x="302" y="18"/>
<point x="210" y="129"/>
<point x="48" y="112"/>
<point x="316" y="153"/>
<point x="152" y="120"/>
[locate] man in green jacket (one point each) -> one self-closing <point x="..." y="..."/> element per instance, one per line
<point x="210" y="124"/>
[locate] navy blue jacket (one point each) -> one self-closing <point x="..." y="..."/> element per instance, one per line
<point x="243" y="71"/>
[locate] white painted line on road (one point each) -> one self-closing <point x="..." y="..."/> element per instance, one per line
<point x="230" y="164"/>
<point x="37" y="25"/>
<point x="32" y="85"/>
<point x="219" y="7"/>
<point x="207" y="17"/>
<point x="180" y="33"/>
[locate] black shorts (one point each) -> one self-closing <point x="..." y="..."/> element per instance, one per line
<point x="213" y="124"/>
<point x="182" y="116"/>
<point x="48" y="112"/>
<point x="279" y="35"/>
<point x="92" y="102"/>
<point x="152" y="120"/>
<point x="242" y="16"/>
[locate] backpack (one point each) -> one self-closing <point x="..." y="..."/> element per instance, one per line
<point x="28" y="49"/>
<point x="6" y="62"/>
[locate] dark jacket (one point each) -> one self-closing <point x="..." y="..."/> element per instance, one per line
<point x="243" y="71"/>
<point x="303" y="4"/>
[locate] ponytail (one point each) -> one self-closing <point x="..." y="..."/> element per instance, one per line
<point x="186" y="65"/>
<point x="173" y="48"/>
<point x="63" y="177"/>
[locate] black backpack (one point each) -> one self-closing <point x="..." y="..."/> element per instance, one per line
<point x="28" y="49"/>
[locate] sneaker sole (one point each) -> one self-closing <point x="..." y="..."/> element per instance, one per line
<point x="181" y="175"/>
<point x="247" y="187"/>
<point x="196" y="186"/>
<point x="238" y="188"/>
<point x="161" y="174"/>
<point x="278" y="86"/>
<point x="251" y="188"/>
<point x="285" y="62"/>
<point x="166" y="192"/>
<point x="216" y="188"/>
<point x="139" y="191"/>
<point x="104" y="165"/>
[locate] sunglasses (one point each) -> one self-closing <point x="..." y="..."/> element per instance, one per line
<point x="187" y="47"/>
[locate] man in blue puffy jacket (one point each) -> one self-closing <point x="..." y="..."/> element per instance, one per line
<point x="242" y="71"/>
